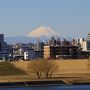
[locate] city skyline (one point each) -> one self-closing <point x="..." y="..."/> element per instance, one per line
<point x="70" y="18"/>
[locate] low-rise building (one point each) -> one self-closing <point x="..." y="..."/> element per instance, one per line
<point x="39" y="54"/>
<point x="29" y="55"/>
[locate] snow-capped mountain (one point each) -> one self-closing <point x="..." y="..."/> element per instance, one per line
<point x="42" y="32"/>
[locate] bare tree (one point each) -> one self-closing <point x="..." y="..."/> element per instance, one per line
<point x="43" y="67"/>
<point x="37" y="68"/>
<point x="49" y="68"/>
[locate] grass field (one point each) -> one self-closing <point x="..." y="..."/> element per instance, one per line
<point x="69" y="71"/>
<point x="7" y="68"/>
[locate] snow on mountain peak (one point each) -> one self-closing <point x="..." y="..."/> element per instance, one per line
<point x="42" y="31"/>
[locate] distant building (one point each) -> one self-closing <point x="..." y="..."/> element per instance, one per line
<point x="5" y="49"/>
<point x="88" y="36"/>
<point x="39" y="46"/>
<point x="58" y="42"/>
<point x="74" y="42"/>
<point x="65" y="43"/>
<point x="1" y="38"/>
<point x="47" y="52"/>
<point x="20" y="48"/>
<point x="39" y="54"/>
<point x="84" y="44"/>
<point x="60" y="52"/>
<point x="29" y="55"/>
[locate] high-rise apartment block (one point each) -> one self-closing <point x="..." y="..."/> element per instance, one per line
<point x="1" y="38"/>
<point x="5" y="49"/>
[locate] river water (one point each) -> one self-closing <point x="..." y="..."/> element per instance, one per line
<point x="70" y="87"/>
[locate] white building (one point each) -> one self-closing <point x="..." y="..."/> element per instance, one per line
<point x="29" y="55"/>
<point x="85" y="44"/>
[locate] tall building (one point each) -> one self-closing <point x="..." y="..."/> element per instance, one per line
<point x="5" y="49"/>
<point x="1" y="38"/>
<point x="1" y="41"/>
<point x="47" y="52"/>
<point x="88" y="36"/>
<point x="39" y="46"/>
<point x="88" y="45"/>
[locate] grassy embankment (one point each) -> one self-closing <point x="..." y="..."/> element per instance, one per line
<point x="73" y="70"/>
<point x="69" y="71"/>
<point x="7" y="69"/>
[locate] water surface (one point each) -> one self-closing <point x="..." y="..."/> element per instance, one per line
<point x="71" y="87"/>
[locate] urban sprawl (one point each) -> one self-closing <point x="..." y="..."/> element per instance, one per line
<point x="52" y="49"/>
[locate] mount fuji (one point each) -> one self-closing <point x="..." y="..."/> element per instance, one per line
<point x="43" y="32"/>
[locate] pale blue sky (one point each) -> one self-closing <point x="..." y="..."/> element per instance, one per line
<point x="68" y="17"/>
